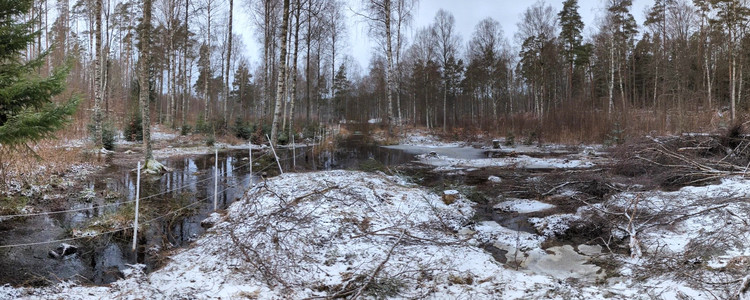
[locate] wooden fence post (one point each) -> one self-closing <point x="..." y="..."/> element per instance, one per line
<point x="137" y="196"/>
<point x="216" y="177"/>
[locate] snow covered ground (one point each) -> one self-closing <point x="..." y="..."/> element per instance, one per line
<point x="423" y="138"/>
<point x="346" y="233"/>
<point x="522" y="206"/>
<point x="444" y="162"/>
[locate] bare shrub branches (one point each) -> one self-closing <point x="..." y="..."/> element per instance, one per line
<point x="306" y="233"/>
<point x="688" y="159"/>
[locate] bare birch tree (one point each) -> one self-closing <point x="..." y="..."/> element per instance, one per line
<point x="444" y="30"/>
<point x="282" y="75"/>
<point x="143" y="75"/>
<point x="98" y="135"/>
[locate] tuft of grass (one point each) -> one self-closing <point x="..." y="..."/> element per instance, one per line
<point x="384" y="288"/>
<point x="120" y="218"/>
<point x="467" y="279"/>
<point x="12" y="205"/>
<point x="371" y="165"/>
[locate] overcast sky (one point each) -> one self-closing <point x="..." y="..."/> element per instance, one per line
<point x="467" y="13"/>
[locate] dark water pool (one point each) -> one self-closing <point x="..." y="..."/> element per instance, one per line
<point x="176" y="202"/>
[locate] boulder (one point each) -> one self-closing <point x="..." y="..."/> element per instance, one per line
<point x="494" y="179"/>
<point x="450" y="196"/>
<point x="212" y="219"/>
<point x="154" y="167"/>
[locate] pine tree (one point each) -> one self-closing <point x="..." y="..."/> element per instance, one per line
<point x="570" y="34"/>
<point x="27" y="113"/>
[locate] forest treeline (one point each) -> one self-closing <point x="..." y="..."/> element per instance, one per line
<point x="682" y="69"/>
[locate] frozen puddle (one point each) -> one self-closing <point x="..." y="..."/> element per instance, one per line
<point x="561" y="263"/>
<point x="451" y="152"/>
<point x="522" y="206"/>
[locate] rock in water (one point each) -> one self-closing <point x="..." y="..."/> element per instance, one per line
<point x="62" y="251"/>
<point x="154" y="167"/>
<point x="494" y="179"/>
<point x="212" y="219"/>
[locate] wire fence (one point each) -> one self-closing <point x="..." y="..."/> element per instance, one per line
<point x="192" y="204"/>
<point x="124" y="202"/>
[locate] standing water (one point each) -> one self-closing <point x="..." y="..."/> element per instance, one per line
<point x="171" y="209"/>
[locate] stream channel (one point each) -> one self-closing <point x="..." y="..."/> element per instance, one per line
<point x="172" y="207"/>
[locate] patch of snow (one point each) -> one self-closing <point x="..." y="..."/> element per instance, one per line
<point x="74" y="143"/>
<point x="522" y="206"/>
<point x="451" y="192"/>
<point x="493" y="233"/>
<point x="424" y="139"/>
<point x="553" y="225"/>
<point x="519" y="162"/>
<point x="167" y="152"/>
<point x="590" y="250"/>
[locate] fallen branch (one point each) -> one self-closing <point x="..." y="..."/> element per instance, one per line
<point x="379" y="268"/>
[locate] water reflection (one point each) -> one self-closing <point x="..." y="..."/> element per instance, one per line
<point x="191" y="182"/>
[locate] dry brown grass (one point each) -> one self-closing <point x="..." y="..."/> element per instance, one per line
<point x="50" y="157"/>
<point x="573" y="126"/>
<point x="230" y="139"/>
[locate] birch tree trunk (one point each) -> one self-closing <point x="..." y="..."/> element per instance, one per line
<point x="98" y="75"/>
<point x="186" y="84"/>
<point x="708" y="78"/>
<point x="282" y="75"/>
<point x="389" y="69"/>
<point x="733" y="85"/>
<point x="294" y="68"/>
<point x="611" y="75"/>
<point x="143" y="96"/>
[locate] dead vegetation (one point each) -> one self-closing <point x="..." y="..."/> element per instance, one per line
<point x="294" y="230"/>
<point x="690" y="159"/>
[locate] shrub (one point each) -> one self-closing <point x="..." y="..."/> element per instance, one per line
<point x="242" y="130"/>
<point x="283" y="138"/>
<point x="310" y="130"/>
<point x="259" y="134"/>
<point x="616" y="136"/>
<point x="134" y="128"/>
<point x="201" y="126"/>
<point x="531" y="137"/>
<point x="510" y="139"/>
<point x="185" y="129"/>
<point x="107" y="135"/>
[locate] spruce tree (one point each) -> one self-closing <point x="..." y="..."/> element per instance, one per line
<point x="27" y="113"/>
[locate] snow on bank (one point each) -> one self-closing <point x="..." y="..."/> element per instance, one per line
<point x="423" y="138"/>
<point x="522" y="206"/>
<point x="443" y="162"/>
<point x="338" y="233"/>
<point x="341" y="233"/>
<point x="199" y="150"/>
